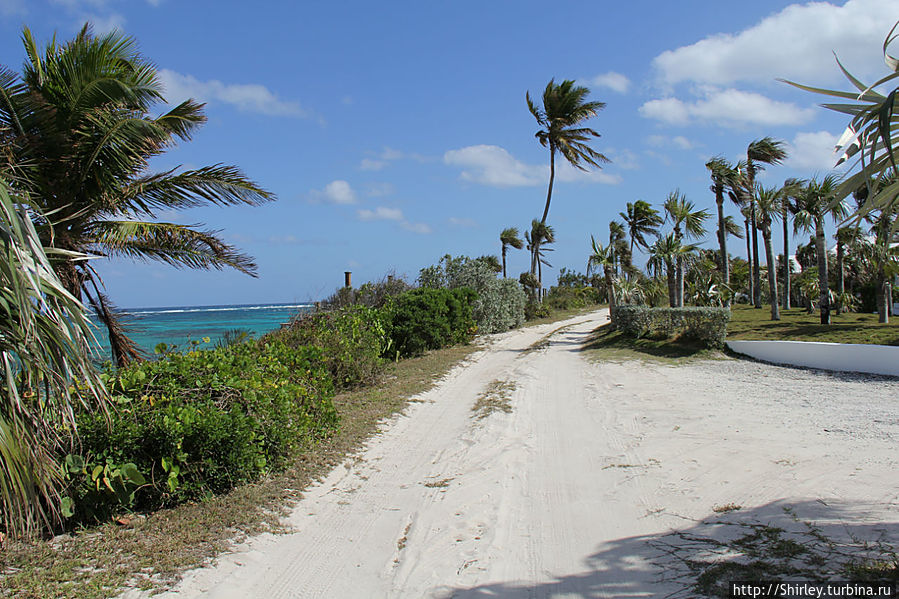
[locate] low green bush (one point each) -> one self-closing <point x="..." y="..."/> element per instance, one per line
<point x="425" y="318"/>
<point x="189" y="425"/>
<point x="352" y="340"/>
<point x="572" y="298"/>
<point x="534" y="310"/>
<point x="706" y="325"/>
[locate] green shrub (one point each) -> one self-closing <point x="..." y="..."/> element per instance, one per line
<point x="193" y="424"/>
<point x="571" y="298"/>
<point x="706" y="325"/>
<point x="425" y="318"/>
<point x="352" y="340"/>
<point x="534" y="310"/>
<point x="500" y="302"/>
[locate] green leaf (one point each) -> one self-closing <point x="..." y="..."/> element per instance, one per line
<point x="67" y="507"/>
<point x="132" y="474"/>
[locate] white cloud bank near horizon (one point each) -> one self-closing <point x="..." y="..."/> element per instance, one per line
<point x="731" y="108"/>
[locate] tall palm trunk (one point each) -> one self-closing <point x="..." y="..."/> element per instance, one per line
<point x="772" y="270"/>
<point x="672" y="285"/>
<point x="610" y="285"/>
<point x="821" y="250"/>
<point x="749" y="258"/>
<point x="722" y="240"/>
<point x="504" y="260"/>
<point x="788" y="264"/>
<point x="549" y="196"/>
<point x="756" y="270"/>
<point x="885" y="299"/>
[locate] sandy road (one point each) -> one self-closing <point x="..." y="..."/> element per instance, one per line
<point x="560" y="496"/>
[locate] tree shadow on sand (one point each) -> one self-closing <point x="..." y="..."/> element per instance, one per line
<point x="800" y="541"/>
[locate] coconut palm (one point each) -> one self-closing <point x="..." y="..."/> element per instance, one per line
<point x="618" y="244"/>
<point x="603" y="257"/>
<point x="816" y="202"/>
<point x="641" y="219"/>
<point x="736" y="191"/>
<point x="44" y="350"/>
<point x="760" y="152"/>
<point x="509" y="237"/>
<point x="872" y="135"/>
<point x="687" y="222"/>
<point x="664" y="257"/>
<point x="722" y="174"/>
<point x="78" y="138"/>
<point x="539" y="236"/>
<point x="788" y="201"/>
<point x="768" y="207"/>
<point x="565" y="106"/>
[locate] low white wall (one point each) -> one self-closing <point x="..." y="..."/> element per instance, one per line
<point x="848" y="357"/>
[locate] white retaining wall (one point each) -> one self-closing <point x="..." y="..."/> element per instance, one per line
<point x="848" y="357"/>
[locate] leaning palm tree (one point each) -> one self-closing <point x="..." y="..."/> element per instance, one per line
<point x="539" y="236"/>
<point x="617" y="243"/>
<point x="816" y="202"/>
<point x="736" y="191"/>
<point x="687" y="222"/>
<point x="761" y="151"/>
<point x="565" y="106"/>
<point x="722" y="173"/>
<point x="509" y="237"/>
<point x="641" y="219"/>
<point x="768" y="206"/>
<point x="603" y="257"/>
<point x="78" y="138"/>
<point x="44" y="351"/>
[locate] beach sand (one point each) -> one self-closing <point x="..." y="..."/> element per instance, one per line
<point x="578" y="475"/>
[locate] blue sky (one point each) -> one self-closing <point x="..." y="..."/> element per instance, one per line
<point x="398" y="132"/>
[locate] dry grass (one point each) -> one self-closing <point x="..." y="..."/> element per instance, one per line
<point x="496" y="398"/>
<point x="151" y="552"/>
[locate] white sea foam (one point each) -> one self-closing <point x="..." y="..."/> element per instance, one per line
<point x="214" y="309"/>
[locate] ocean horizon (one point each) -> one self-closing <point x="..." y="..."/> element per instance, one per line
<point x="178" y="326"/>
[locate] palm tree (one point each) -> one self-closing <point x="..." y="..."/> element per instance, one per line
<point x="617" y="243"/>
<point x="788" y="202"/>
<point x="687" y="223"/>
<point x="816" y="201"/>
<point x="664" y="256"/>
<point x="564" y="108"/>
<point x="847" y="236"/>
<point x="604" y="257"/>
<point x="78" y="138"/>
<point x="872" y="135"/>
<point x="761" y="151"/>
<point x="768" y="207"/>
<point x="736" y="191"/>
<point x="44" y="351"/>
<point x="641" y="219"/>
<point x="509" y="237"/>
<point x="722" y="173"/>
<point x="539" y="235"/>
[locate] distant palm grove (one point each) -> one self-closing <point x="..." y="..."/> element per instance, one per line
<point x="77" y="134"/>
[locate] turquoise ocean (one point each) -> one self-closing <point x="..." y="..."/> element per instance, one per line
<point x="178" y="325"/>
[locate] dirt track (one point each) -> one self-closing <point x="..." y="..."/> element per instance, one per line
<point x="560" y="490"/>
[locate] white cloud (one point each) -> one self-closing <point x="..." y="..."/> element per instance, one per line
<point x="380" y="213"/>
<point x="813" y="151"/>
<point x="392" y="214"/>
<point x="796" y="43"/>
<point x="727" y="108"/>
<point x="495" y="166"/>
<point x="662" y="141"/>
<point x="462" y="222"/>
<point x="335" y="192"/>
<point x="421" y="228"/>
<point x="378" y="190"/>
<point x="623" y="159"/>
<point x="385" y="157"/>
<point x="250" y="97"/>
<point x="105" y="24"/>
<point x="612" y="80"/>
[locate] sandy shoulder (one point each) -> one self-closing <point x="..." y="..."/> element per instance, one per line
<point x="564" y="494"/>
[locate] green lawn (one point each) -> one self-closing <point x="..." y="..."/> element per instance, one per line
<point x="797" y="325"/>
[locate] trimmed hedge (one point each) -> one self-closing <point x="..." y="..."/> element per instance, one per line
<point x="706" y="325"/>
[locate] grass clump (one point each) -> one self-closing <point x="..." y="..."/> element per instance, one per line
<point x="497" y="397"/>
<point x="748" y="323"/>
